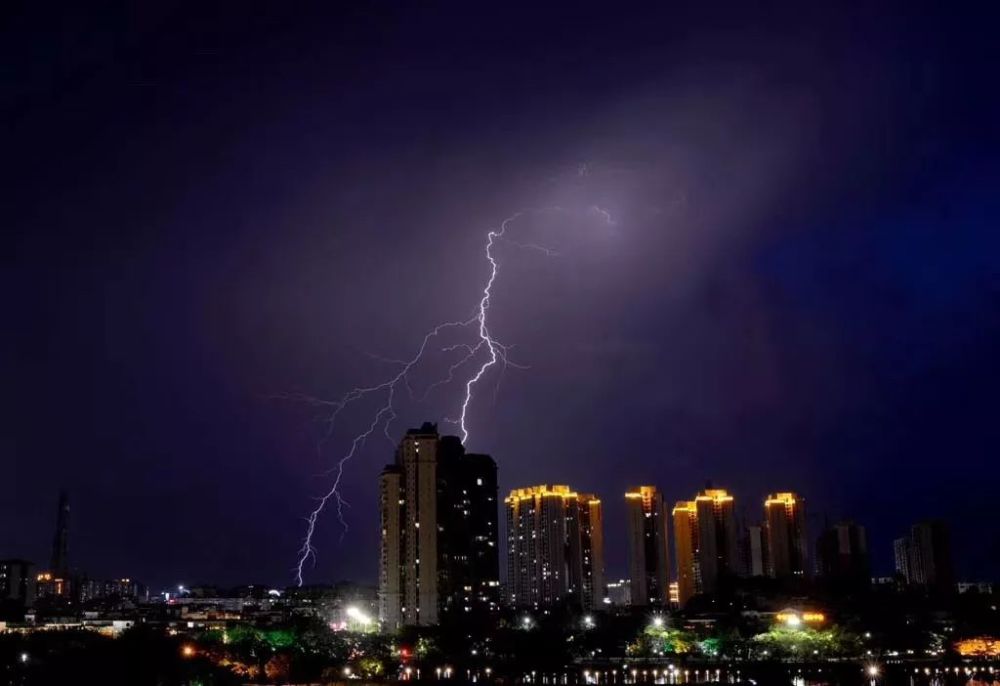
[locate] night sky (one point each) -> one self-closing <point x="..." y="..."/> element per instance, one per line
<point x="206" y="211"/>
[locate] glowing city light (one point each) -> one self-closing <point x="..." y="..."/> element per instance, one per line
<point x="358" y="615"/>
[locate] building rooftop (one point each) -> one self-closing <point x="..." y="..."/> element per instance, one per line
<point x="714" y="494"/>
<point x="549" y="491"/>
<point x="426" y="429"/>
<point x="784" y="499"/>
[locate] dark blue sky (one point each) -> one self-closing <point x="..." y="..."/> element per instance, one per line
<point x="206" y="209"/>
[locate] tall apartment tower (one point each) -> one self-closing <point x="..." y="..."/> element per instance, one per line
<point x="901" y="552"/>
<point x="391" y="567"/>
<point x="555" y="547"/>
<point x="842" y="555"/>
<point x="923" y="557"/>
<point x="685" y="515"/>
<point x="468" y="540"/>
<point x="648" y="551"/>
<point x="787" y="546"/>
<point x="706" y="540"/>
<point x="439" y="531"/>
<point x="60" y="541"/>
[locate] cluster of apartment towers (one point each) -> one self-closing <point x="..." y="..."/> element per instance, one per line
<point x="439" y="554"/>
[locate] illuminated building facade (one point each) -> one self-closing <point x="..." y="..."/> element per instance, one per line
<point x="787" y="547"/>
<point x="718" y="538"/>
<point x="49" y="585"/>
<point x="439" y="548"/>
<point x="685" y="515"/>
<point x="842" y="555"/>
<point x="706" y="541"/>
<point x="648" y="551"/>
<point x="555" y="547"/>
<point x="117" y="589"/>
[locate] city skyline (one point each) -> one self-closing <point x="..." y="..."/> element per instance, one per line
<point x="754" y="247"/>
<point x="705" y="540"/>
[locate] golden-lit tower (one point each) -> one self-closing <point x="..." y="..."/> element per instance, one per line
<point x="648" y="551"/>
<point x="787" y="547"/>
<point x="707" y="543"/>
<point x="718" y="538"/>
<point x="685" y="515"/>
<point x="555" y="546"/>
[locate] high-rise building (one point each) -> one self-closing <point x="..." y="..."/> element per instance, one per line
<point x="787" y="547"/>
<point x="923" y="557"/>
<point x="107" y="589"/>
<point x="718" y="538"/>
<point x="439" y="551"/>
<point x="555" y="547"/>
<point x="390" y="568"/>
<point x="17" y="582"/>
<point x="842" y="555"/>
<point x="706" y="541"/>
<point x="901" y="552"/>
<point x="686" y="550"/>
<point x="468" y="549"/>
<point x="60" y="542"/>
<point x="56" y="582"/>
<point x="649" y="554"/>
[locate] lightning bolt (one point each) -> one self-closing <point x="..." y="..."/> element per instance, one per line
<point x="386" y="412"/>
<point x="484" y="332"/>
